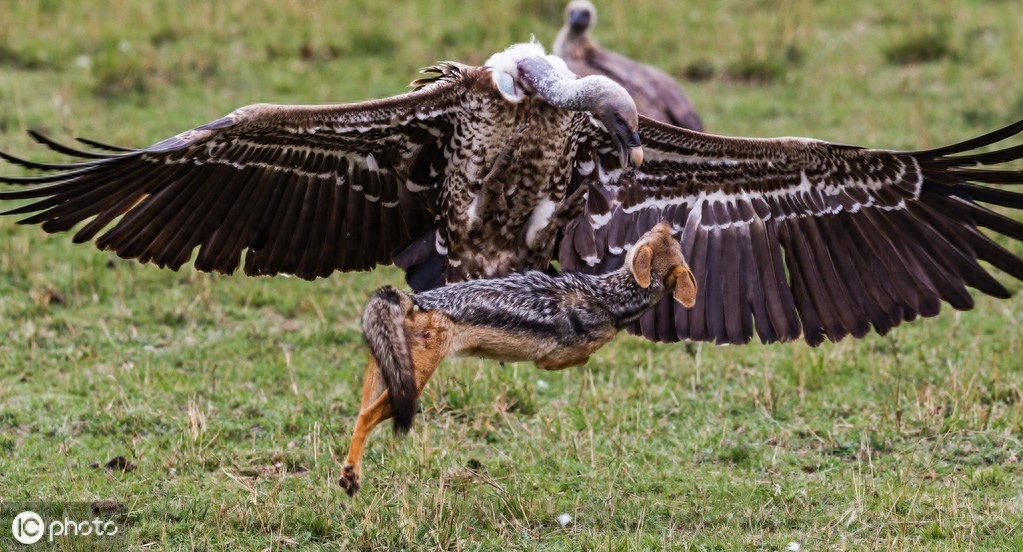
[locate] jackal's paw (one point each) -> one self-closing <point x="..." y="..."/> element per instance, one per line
<point x="349" y="480"/>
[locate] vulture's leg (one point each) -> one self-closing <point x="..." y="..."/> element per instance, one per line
<point x="492" y="196"/>
<point x="570" y="208"/>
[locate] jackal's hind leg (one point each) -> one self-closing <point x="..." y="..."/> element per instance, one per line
<point x="376" y="407"/>
<point x="429" y="339"/>
<point x="369" y="418"/>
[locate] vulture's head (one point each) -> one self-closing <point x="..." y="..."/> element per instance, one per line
<point x="524" y="70"/>
<point x="615" y="108"/>
<point x="580" y="15"/>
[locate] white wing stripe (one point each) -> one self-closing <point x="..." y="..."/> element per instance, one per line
<point x="805" y="198"/>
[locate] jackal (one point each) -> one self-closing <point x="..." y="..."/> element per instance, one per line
<point x="555" y="321"/>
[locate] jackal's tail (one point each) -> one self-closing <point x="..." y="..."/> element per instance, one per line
<point x="384" y="330"/>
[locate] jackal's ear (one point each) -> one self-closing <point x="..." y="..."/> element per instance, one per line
<point x="685" y="286"/>
<point x="640" y="264"/>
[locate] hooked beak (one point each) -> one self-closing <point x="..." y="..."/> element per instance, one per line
<point x="631" y="151"/>
<point x="636" y="156"/>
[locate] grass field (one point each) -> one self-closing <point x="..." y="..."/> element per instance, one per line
<point x="234" y="397"/>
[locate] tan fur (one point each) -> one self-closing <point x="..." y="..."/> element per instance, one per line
<point x="432" y="336"/>
<point x="685" y="285"/>
<point x="640" y="265"/>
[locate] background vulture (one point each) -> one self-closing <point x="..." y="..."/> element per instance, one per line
<point x="657" y="95"/>
<point x="479" y="171"/>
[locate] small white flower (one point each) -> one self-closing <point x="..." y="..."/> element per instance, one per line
<point x="124" y="46"/>
<point x="564" y="519"/>
<point x="542" y="385"/>
<point x="83" y="61"/>
<point x="793" y="547"/>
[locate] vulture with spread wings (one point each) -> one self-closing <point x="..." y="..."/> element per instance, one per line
<point x="479" y="171"/>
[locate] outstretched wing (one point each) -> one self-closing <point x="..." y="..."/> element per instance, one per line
<point x="794" y="236"/>
<point x="303" y="190"/>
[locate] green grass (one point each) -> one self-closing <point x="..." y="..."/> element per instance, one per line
<point x="235" y="397"/>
